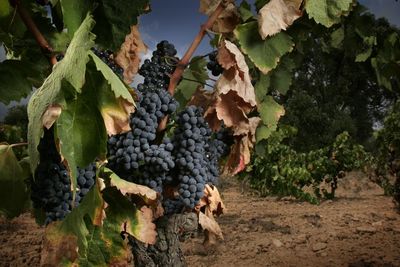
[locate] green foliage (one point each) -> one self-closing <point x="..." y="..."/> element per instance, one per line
<point x="278" y="170"/>
<point x="14" y="128"/>
<point x="17" y="78"/>
<point x="270" y="49"/>
<point x="270" y="112"/>
<point x="194" y="76"/>
<point x="114" y="18"/>
<point x="74" y="13"/>
<point x="328" y="12"/>
<point x="82" y="97"/>
<point x="245" y="11"/>
<point x="388" y="154"/>
<point x="332" y="93"/>
<point x="72" y="70"/>
<point x="14" y="197"/>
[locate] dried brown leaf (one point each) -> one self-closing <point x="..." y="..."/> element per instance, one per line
<point x="128" y="57"/>
<point x="240" y="154"/>
<point x="209" y="224"/>
<point x="241" y="81"/>
<point x="51" y="115"/>
<point x="212" y="119"/>
<point x="248" y="128"/>
<point x="211" y="201"/>
<point x="201" y="98"/>
<point x="225" y="58"/>
<point x="277" y="15"/>
<point x="227" y="20"/>
<point x="214" y="200"/>
<point x="228" y="109"/>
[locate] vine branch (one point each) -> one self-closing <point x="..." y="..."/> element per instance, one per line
<point x="176" y="76"/>
<point x="196" y="81"/>
<point x="30" y="24"/>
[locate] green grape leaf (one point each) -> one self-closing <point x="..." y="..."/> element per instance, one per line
<point x="14" y="194"/>
<point x="15" y="78"/>
<point x="369" y="43"/>
<point x="265" y="54"/>
<point x="282" y="76"/>
<point x="270" y="111"/>
<point x="80" y="127"/>
<point x="58" y="40"/>
<point x="74" y="13"/>
<point x="263" y="132"/>
<point x="337" y="38"/>
<point x="114" y="18"/>
<point x="194" y="76"/>
<point x="117" y="86"/>
<point x="72" y="68"/>
<point x="5" y="9"/>
<point x="328" y="12"/>
<point x="262" y="87"/>
<point x="245" y="11"/>
<point x="13" y="191"/>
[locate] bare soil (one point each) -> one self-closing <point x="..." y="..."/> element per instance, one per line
<point x="361" y="228"/>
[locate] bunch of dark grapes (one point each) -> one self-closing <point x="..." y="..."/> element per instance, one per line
<point x="157" y="71"/>
<point x="107" y="57"/>
<point x="86" y="179"/>
<point x="213" y="65"/>
<point x="51" y="188"/>
<point x="128" y="151"/>
<point x="216" y="148"/>
<point x="191" y="136"/>
<point x="188" y="161"/>
<point x="134" y="155"/>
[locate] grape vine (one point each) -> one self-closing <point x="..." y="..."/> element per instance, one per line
<point x="145" y="150"/>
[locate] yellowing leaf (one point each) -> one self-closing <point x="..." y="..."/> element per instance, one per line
<point x="115" y="116"/>
<point x="278" y="15"/>
<point x="57" y="247"/>
<point x="126" y="216"/>
<point x="145" y="230"/>
<point x="128" y="188"/>
<point x="128" y="57"/>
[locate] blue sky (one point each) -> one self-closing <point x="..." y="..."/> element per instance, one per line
<point x="178" y="21"/>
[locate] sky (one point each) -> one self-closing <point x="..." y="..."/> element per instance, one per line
<point x="178" y="21"/>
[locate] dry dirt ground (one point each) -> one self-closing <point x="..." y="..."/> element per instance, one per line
<point x="360" y="228"/>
